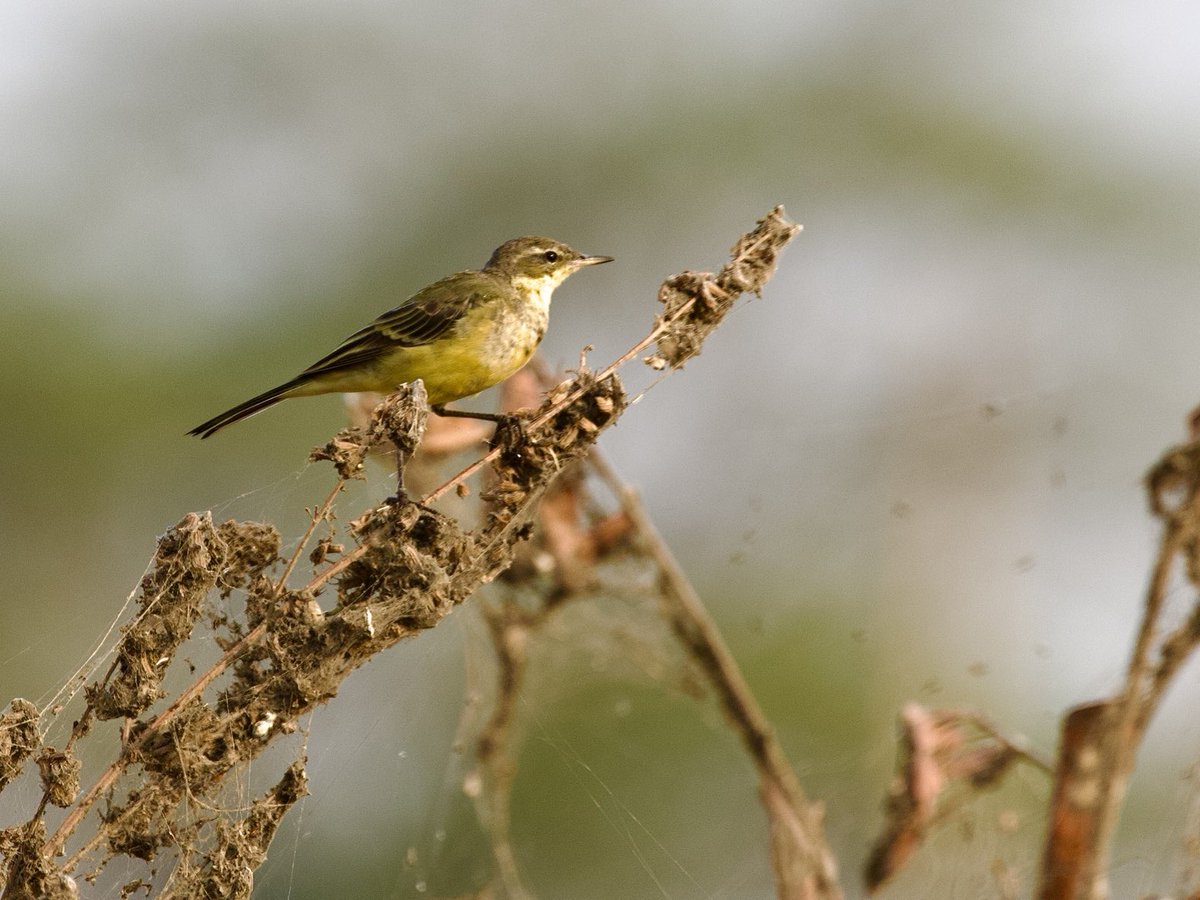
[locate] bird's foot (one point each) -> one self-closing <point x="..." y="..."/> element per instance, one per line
<point x="510" y="433"/>
<point x="401" y="499"/>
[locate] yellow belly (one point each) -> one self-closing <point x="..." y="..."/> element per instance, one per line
<point x="450" y="370"/>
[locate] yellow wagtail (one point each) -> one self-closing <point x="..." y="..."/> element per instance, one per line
<point x="460" y="335"/>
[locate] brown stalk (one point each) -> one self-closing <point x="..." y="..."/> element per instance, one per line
<point x="803" y="863"/>
<point x="1100" y="740"/>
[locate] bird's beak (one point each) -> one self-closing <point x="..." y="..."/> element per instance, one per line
<point x="592" y="260"/>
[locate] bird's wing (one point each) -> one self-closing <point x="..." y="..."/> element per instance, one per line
<point x="421" y="319"/>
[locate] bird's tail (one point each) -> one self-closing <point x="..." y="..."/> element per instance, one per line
<point x="245" y="410"/>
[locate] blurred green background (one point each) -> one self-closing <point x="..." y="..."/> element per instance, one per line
<point x="911" y="471"/>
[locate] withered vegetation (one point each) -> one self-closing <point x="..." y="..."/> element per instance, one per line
<point x="159" y="797"/>
<point x="19" y="738"/>
<point x="946" y="757"/>
<point x="398" y="569"/>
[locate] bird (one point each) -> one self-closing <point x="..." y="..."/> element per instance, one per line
<point x="460" y="335"/>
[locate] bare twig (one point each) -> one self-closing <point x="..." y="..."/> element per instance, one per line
<point x="319" y="516"/>
<point x="803" y="863"/>
<point x="1100" y="740"/>
<point x="508" y="626"/>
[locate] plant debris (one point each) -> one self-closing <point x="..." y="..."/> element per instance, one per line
<point x="397" y="569"/>
<point x="60" y="775"/>
<point x="938" y="749"/>
<point x="696" y="302"/>
<point x="25" y="872"/>
<point x="412" y="557"/>
<point x="192" y="558"/>
<point x="19" y="738"/>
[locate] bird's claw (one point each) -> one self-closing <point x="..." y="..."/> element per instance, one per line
<point x="401" y="499"/>
<point x="510" y="433"/>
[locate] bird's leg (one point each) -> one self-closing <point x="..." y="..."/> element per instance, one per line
<point x="496" y="418"/>
<point x="402" y="497"/>
<point x="402" y="458"/>
<point x="510" y="428"/>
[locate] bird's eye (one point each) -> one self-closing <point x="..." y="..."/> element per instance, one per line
<point x="551" y="256"/>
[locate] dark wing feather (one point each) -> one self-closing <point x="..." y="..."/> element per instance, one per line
<point x="421" y="319"/>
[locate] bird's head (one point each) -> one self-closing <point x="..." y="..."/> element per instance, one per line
<point x="539" y="260"/>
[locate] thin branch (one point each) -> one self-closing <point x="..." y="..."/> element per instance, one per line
<point x="508" y="627"/>
<point x="317" y="517"/>
<point x="1100" y="740"/>
<point x="804" y="865"/>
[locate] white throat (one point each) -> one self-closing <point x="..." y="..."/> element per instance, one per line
<point x="540" y="289"/>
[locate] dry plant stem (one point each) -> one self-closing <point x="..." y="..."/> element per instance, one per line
<point x="112" y="773"/>
<point x="508" y="627"/>
<point x="1100" y="740"/>
<point x="1127" y="720"/>
<point x="1140" y="669"/>
<point x="317" y="518"/>
<point x="306" y="671"/>
<point x="81" y="727"/>
<point x="1069" y="869"/>
<point x="1139" y="662"/>
<point x="803" y="863"/>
